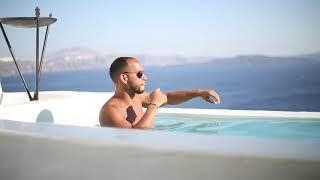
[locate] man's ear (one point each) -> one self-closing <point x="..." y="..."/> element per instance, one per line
<point x="123" y="78"/>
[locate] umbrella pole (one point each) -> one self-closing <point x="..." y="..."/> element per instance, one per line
<point x="15" y="62"/>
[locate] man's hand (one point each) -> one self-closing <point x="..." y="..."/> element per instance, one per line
<point x="210" y="96"/>
<point x="157" y="97"/>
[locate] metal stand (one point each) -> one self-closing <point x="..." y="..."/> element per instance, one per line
<point x="30" y="22"/>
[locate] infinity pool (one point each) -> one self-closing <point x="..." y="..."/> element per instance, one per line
<point x="261" y="127"/>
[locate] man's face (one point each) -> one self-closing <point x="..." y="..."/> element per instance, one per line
<point x="136" y="77"/>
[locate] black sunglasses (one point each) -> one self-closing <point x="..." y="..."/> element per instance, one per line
<point x="139" y="74"/>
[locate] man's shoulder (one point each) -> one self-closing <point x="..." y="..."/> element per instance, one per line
<point x="112" y="103"/>
<point x="110" y="108"/>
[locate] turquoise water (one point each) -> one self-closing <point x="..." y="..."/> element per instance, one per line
<point x="261" y="127"/>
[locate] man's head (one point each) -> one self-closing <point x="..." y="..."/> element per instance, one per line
<point x="128" y="72"/>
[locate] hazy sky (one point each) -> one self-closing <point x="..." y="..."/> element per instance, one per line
<point x="185" y="27"/>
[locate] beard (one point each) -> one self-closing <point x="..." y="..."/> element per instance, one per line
<point x="136" y="89"/>
<point x="140" y="91"/>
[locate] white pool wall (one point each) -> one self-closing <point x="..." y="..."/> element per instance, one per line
<point x="1" y="92"/>
<point x="82" y="108"/>
<point x="44" y="150"/>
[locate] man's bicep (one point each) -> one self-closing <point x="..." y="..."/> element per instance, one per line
<point x="114" y="118"/>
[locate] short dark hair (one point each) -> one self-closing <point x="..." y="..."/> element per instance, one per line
<point x="117" y="65"/>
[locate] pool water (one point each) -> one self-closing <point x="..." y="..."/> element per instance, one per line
<point x="262" y="127"/>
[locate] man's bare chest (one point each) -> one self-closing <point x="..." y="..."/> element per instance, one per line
<point x="134" y="112"/>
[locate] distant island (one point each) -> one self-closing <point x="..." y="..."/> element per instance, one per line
<point x="79" y="59"/>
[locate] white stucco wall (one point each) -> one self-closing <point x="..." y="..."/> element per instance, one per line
<point x="45" y="150"/>
<point x="82" y="108"/>
<point x="36" y="151"/>
<point x="1" y="92"/>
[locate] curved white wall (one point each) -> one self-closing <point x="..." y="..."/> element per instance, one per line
<point x="82" y="108"/>
<point x="1" y="93"/>
<point x="36" y="151"/>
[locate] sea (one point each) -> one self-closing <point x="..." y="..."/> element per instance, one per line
<point x="278" y="86"/>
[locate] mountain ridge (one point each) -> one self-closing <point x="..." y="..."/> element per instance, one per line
<point x="79" y="59"/>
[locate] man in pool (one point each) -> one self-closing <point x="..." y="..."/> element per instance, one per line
<point x="125" y="108"/>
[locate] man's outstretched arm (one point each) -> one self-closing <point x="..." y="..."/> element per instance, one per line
<point x="178" y="97"/>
